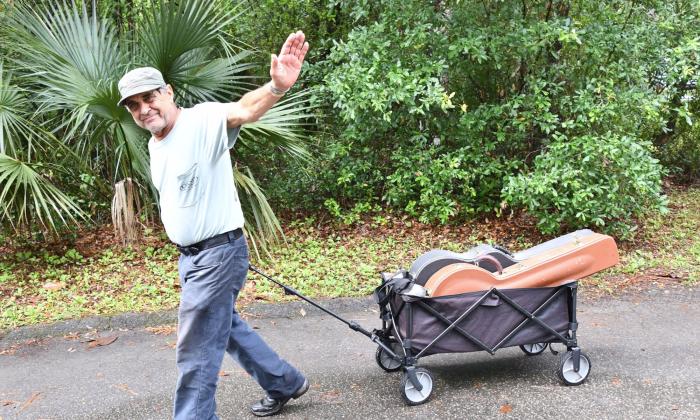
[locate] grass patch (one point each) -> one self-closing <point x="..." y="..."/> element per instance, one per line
<point x="666" y="249"/>
<point x="40" y="287"/>
<point x="334" y="266"/>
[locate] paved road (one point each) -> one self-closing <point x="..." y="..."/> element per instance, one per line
<point x="644" y="351"/>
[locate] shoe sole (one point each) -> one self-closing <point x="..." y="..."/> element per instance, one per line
<point x="302" y="390"/>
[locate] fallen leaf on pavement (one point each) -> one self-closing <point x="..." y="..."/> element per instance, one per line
<point x="616" y="381"/>
<point x="125" y="388"/>
<point x="102" y="341"/>
<point x="72" y="336"/>
<point x="302" y="312"/>
<point x="90" y="336"/>
<point x="162" y="329"/>
<point x="330" y="395"/>
<point x="8" y="351"/>
<point x="30" y="401"/>
<point x="505" y="409"/>
<point x="224" y="373"/>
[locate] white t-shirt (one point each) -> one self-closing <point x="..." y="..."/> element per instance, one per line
<point x="191" y="169"/>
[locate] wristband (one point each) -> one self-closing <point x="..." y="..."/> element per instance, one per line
<point x="277" y="92"/>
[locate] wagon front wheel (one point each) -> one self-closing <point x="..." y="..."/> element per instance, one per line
<point x="533" y="349"/>
<point x="410" y="393"/>
<point x="384" y="359"/>
<point x="567" y="372"/>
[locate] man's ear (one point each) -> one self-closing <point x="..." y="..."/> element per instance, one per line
<point x="169" y="90"/>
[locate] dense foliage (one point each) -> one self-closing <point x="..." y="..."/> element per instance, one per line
<point x="451" y="108"/>
<point x="573" y="111"/>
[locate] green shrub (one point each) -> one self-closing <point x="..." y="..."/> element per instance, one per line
<point x="431" y="107"/>
<point x="436" y="185"/>
<point x="682" y="155"/>
<point x="604" y="181"/>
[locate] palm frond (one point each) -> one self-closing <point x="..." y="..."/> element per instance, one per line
<point x="74" y="57"/>
<point x="26" y="139"/>
<point x="12" y="123"/>
<point x="19" y="135"/>
<point x="178" y="40"/>
<point x="24" y="193"/>
<point x="132" y="139"/>
<point x="283" y="126"/>
<point x="261" y="224"/>
<point x="75" y="60"/>
<point x="219" y="79"/>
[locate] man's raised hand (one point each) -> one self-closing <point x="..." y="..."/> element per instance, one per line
<point x="285" y="68"/>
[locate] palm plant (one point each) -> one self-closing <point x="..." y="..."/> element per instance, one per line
<point x="26" y="192"/>
<point x="70" y="61"/>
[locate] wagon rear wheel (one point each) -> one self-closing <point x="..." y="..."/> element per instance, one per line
<point x="384" y="359"/>
<point x="533" y="349"/>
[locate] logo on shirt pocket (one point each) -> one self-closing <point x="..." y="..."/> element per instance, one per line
<point x="189" y="187"/>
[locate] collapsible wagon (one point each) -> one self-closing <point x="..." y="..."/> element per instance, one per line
<point x="484" y="299"/>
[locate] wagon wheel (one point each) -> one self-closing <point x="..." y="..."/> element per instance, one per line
<point x="533" y="349"/>
<point x="566" y="370"/>
<point x="384" y="359"/>
<point x="410" y="394"/>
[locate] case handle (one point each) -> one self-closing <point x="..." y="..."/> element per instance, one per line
<point x="491" y="259"/>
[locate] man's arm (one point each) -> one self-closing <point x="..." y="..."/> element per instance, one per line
<point x="284" y="72"/>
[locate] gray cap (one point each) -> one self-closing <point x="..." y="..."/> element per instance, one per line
<point x="139" y="80"/>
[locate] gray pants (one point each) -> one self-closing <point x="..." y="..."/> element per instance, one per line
<point x="209" y="325"/>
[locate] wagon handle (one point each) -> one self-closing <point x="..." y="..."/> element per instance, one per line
<point x="290" y="291"/>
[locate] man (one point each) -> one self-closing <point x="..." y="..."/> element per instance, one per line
<point x="191" y="168"/>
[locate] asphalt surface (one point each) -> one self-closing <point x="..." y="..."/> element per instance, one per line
<point x="643" y="348"/>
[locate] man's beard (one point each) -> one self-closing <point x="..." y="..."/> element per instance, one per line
<point x="156" y="129"/>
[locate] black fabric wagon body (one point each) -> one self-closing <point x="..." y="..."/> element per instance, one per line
<point x="490" y="321"/>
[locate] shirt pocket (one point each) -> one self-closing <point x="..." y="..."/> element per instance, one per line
<point x="189" y="186"/>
